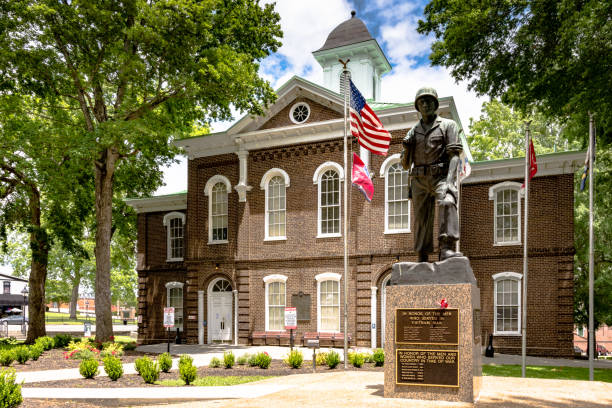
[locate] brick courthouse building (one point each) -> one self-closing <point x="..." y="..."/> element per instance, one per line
<point x="260" y="226"/>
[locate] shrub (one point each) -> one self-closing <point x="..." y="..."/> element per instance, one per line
<point x="61" y="340"/>
<point x="113" y="367"/>
<point x="89" y="368"/>
<point x="243" y="359"/>
<point x="188" y="372"/>
<point x="130" y="346"/>
<point x="368" y="358"/>
<point x="22" y="354"/>
<point x="9" y="341"/>
<point x="215" y="362"/>
<point x="321" y="357"/>
<point x="140" y="362"/>
<point x="263" y="360"/>
<point x="112" y="349"/>
<point x="10" y="392"/>
<point x="254" y="360"/>
<point x="332" y="359"/>
<point x="36" y="351"/>
<point x="185" y="359"/>
<point x="149" y="371"/>
<point x="358" y="359"/>
<point x="46" y="342"/>
<point x="228" y="359"/>
<point x="7" y="357"/>
<point x="295" y="359"/>
<point x="165" y="362"/>
<point x="379" y="357"/>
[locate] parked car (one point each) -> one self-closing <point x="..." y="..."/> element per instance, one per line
<point x="601" y="350"/>
<point x="15" y="319"/>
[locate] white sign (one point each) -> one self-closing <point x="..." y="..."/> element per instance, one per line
<point x="168" y="317"/>
<point x="290" y="318"/>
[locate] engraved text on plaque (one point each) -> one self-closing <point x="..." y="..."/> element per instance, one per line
<point x="427" y="326"/>
<point x="427" y="367"/>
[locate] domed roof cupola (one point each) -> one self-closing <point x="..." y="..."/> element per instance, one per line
<point x="352" y="40"/>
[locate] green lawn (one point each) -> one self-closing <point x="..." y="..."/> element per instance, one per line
<point x="64" y="318"/>
<point x="213" y="381"/>
<point x="555" y="373"/>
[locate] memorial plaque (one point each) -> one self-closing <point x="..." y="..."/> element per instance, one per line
<point x="427" y="326"/>
<point x="302" y="303"/>
<point x="437" y="368"/>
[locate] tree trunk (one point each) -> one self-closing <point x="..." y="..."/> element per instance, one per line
<point x="74" y="298"/>
<point x="39" y="244"/>
<point x="104" y="172"/>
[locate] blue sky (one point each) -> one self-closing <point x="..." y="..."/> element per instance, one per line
<point x="306" y="25"/>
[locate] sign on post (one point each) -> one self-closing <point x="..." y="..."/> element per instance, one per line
<point x="290" y="318"/>
<point x="168" y="317"/>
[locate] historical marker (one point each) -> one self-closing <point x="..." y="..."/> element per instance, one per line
<point x="439" y="368"/>
<point x="427" y="326"/>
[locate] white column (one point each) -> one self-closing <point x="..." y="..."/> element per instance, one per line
<point x="243" y="186"/>
<point x="235" y="317"/>
<point x="364" y="154"/>
<point x="200" y="317"/>
<point x="373" y="315"/>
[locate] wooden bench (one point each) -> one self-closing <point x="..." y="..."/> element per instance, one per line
<point x="326" y="339"/>
<point x="270" y="338"/>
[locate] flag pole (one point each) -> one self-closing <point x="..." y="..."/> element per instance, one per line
<point x="591" y="241"/>
<point x="345" y="75"/>
<point x="525" y="266"/>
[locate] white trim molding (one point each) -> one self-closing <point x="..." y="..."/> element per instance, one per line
<point x="512" y="185"/>
<point x="173" y="285"/>
<point x="389" y="161"/>
<point x="294" y="107"/>
<point x="328" y="276"/>
<point x="264" y="185"/>
<point x="493" y="190"/>
<point x="275" y="278"/>
<point x="517" y="277"/>
<point x="214" y="180"/>
<point x="217" y="178"/>
<point x="330" y="165"/>
<point x="166" y="223"/>
<point x="316" y="179"/>
<point x="271" y="173"/>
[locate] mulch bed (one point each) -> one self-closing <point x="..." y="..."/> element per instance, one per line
<point x="54" y="360"/>
<point x="277" y="368"/>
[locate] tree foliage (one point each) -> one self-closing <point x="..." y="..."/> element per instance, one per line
<point x="135" y="74"/>
<point x="552" y="55"/>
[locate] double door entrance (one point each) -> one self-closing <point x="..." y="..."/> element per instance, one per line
<point x="220" y="316"/>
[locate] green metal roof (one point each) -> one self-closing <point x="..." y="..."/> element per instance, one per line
<point x="538" y="155"/>
<point x="158" y="196"/>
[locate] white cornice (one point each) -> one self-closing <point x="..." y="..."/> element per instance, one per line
<point x="162" y="203"/>
<point x="548" y="165"/>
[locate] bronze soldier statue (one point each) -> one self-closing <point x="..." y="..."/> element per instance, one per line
<point x="431" y="152"/>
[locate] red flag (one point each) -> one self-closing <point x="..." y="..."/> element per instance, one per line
<point x="533" y="165"/>
<point x="361" y="177"/>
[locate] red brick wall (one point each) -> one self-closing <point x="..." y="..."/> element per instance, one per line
<point x="318" y="113"/>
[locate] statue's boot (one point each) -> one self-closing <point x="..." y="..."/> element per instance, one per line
<point x="446" y="249"/>
<point x="423" y="257"/>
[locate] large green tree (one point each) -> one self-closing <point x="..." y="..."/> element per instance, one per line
<point x="138" y="73"/>
<point x="554" y="55"/>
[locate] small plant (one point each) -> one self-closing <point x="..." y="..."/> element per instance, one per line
<point x="9" y="341"/>
<point x="215" y="362"/>
<point x="185" y="359"/>
<point x="264" y="360"/>
<point x="61" y="340"/>
<point x="130" y="346"/>
<point x="228" y="359"/>
<point x="36" y="351"/>
<point x="149" y="371"/>
<point x="89" y="368"/>
<point x="295" y="359"/>
<point x="46" y="342"/>
<point x="379" y="357"/>
<point x="367" y="358"/>
<point x="10" y="392"/>
<point x="254" y="360"/>
<point x="188" y="372"/>
<point x="22" y="354"/>
<point x="243" y="359"/>
<point x="7" y="357"/>
<point x="332" y="359"/>
<point x="112" y="349"/>
<point x="140" y="362"/>
<point x="165" y="362"/>
<point x="321" y="357"/>
<point x="358" y="360"/>
<point x="113" y="367"/>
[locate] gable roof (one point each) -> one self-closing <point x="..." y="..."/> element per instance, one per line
<point x="351" y="31"/>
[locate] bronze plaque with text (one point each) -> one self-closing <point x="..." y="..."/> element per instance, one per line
<point x="427" y="326"/>
<point x="301" y="302"/>
<point x="438" y="368"/>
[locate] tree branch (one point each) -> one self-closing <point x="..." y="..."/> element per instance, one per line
<point x="147" y="107"/>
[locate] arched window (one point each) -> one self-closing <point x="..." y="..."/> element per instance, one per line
<point x="329" y="177"/>
<point x="217" y="189"/>
<point x="276" y="301"/>
<point x="507" y="303"/>
<point x="507" y="213"/>
<point x="397" y="204"/>
<point x="174" y="298"/>
<point x="175" y="243"/>
<point x="275" y="183"/>
<point x="328" y="302"/>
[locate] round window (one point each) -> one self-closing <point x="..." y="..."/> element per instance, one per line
<point x="299" y="112"/>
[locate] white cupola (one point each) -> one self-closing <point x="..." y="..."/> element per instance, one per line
<point x="352" y="40"/>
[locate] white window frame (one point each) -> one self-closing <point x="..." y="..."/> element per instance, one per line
<point x="293" y="107"/>
<point x="493" y="190"/>
<point x="265" y="182"/>
<point x="498" y="277"/>
<point x="176" y="285"/>
<point x="167" y="218"/>
<point x="324" y="277"/>
<point x="384" y="173"/>
<point x="208" y="192"/>
<point x="268" y="280"/>
<point x="316" y="179"/>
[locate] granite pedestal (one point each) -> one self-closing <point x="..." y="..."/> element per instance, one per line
<point x="431" y="352"/>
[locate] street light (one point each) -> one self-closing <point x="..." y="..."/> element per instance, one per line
<point x="87" y="309"/>
<point x="24" y="292"/>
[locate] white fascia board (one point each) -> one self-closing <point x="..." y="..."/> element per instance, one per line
<point x="155" y="204"/>
<point x="548" y="165"/>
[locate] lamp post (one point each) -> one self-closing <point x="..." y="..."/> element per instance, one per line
<point x="24" y="292"/>
<point x="87" y="309"/>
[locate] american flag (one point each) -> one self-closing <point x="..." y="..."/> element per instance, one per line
<point x="366" y="126"/>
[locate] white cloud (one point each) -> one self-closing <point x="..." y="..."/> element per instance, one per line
<point x="402" y="40"/>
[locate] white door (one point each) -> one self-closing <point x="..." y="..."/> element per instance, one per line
<point x="220" y="311"/>
<point x="383" y="309"/>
